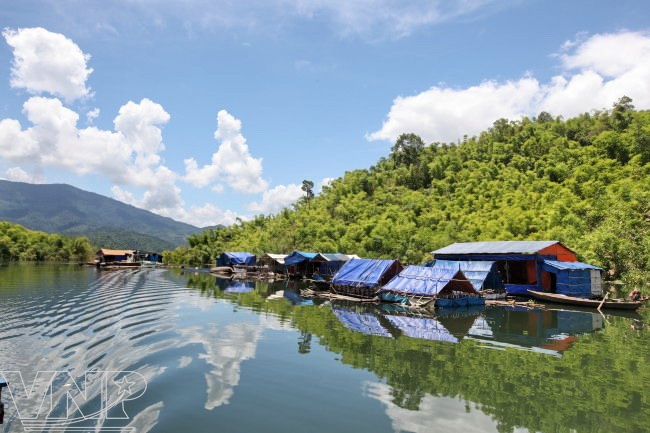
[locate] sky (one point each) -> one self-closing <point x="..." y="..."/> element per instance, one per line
<point x="210" y="110"/>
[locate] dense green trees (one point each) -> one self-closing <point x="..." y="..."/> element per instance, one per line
<point x="19" y="243"/>
<point x="584" y="181"/>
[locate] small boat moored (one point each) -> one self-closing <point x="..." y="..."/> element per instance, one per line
<point x="619" y="304"/>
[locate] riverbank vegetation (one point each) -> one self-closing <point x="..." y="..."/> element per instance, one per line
<point x="584" y="181"/>
<point x="19" y="243"/>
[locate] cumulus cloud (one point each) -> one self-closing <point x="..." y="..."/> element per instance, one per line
<point x="47" y="62"/>
<point x="232" y="163"/>
<point x="276" y="199"/>
<point x="17" y="174"/>
<point x="597" y="71"/>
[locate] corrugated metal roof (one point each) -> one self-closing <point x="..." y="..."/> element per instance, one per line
<point x="335" y="257"/>
<point x="496" y="247"/>
<point x="574" y="266"/>
<point x="277" y="257"/>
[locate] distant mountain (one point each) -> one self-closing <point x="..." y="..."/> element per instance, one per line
<point x="59" y="208"/>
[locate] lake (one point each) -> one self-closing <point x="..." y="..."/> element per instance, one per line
<point x="165" y="350"/>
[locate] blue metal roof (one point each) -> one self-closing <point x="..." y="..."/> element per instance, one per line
<point x="573" y="266"/>
<point x="496" y="247"/>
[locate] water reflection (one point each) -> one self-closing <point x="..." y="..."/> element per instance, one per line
<point x="539" y="330"/>
<point x="212" y="356"/>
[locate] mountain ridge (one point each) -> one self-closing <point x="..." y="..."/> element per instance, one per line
<point x="65" y="209"/>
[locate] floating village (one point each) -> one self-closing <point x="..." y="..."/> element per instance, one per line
<point x="459" y="275"/>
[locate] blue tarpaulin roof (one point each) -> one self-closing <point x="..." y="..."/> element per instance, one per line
<point x="570" y="265"/>
<point x="497" y="247"/>
<point x="477" y="272"/>
<point x="366" y="323"/>
<point x="236" y="258"/>
<point x="423" y="281"/>
<point x="301" y="256"/>
<point x="422" y="327"/>
<point x="362" y="272"/>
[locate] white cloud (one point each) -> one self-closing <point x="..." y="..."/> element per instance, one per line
<point x="17" y="174"/>
<point x="385" y="18"/>
<point x="597" y="72"/>
<point x="46" y="62"/>
<point x="91" y="115"/>
<point x="276" y="199"/>
<point x="368" y="19"/>
<point x="231" y="163"/>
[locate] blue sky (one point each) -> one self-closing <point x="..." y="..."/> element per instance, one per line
<point x="208" y="110"/>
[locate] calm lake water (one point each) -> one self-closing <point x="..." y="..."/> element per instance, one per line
<point x="173" y="352"/>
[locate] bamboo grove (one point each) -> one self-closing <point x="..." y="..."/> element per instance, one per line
<point x="584" y="181"/>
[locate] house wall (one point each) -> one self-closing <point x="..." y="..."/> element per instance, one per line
<point x="562" y="253"/>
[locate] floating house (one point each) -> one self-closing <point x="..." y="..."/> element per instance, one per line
<point x="572" y="279"/>
<point x="148" y="258"/>
<point x="301" y="264"/>
<point x="105" y="257"/>
<point x="236" y="259"/>
<point x="521" y="263"/>
<point x="421" y="284"/>
<point x="482" y="275"/>
<point x="274" y="262"/>
<point x="333" y="263"/>
<point x="363" y="277"/>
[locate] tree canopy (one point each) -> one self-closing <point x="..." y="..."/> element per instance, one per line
<point x="19" y="243"/>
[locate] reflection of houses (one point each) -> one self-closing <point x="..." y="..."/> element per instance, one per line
<point x="360" y="321"/>
<point x="521" y="264"/>
<point x="236" y="259"/>
<point x="544" y="331"/>
<point x="422" y="327"/>
<point x="449" y="287"/>
<point x="363" y="277"/>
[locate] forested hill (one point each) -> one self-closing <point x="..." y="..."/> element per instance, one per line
<point x="584" y="181"/>
<point x="57" y="208"/>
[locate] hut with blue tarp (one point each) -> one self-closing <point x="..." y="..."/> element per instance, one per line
<point x="483" y="275"/>
<point x="363" y="277"/>
<point x="364" y="322"/>
<point x="448" y="287"/>
<point x="236" y="258"/>
<point x="333" y="263"/>
<point x="572" y="279"/>
<point x="302" y="264"/>
<point x="519" y="263"/>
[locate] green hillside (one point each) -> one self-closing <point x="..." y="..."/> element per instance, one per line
<point x="584" y="181"/>
<point x="19" y="243"/>
<point x="68" y="210"/>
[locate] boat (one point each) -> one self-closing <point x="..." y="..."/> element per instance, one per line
<point x="619" y="304"/>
